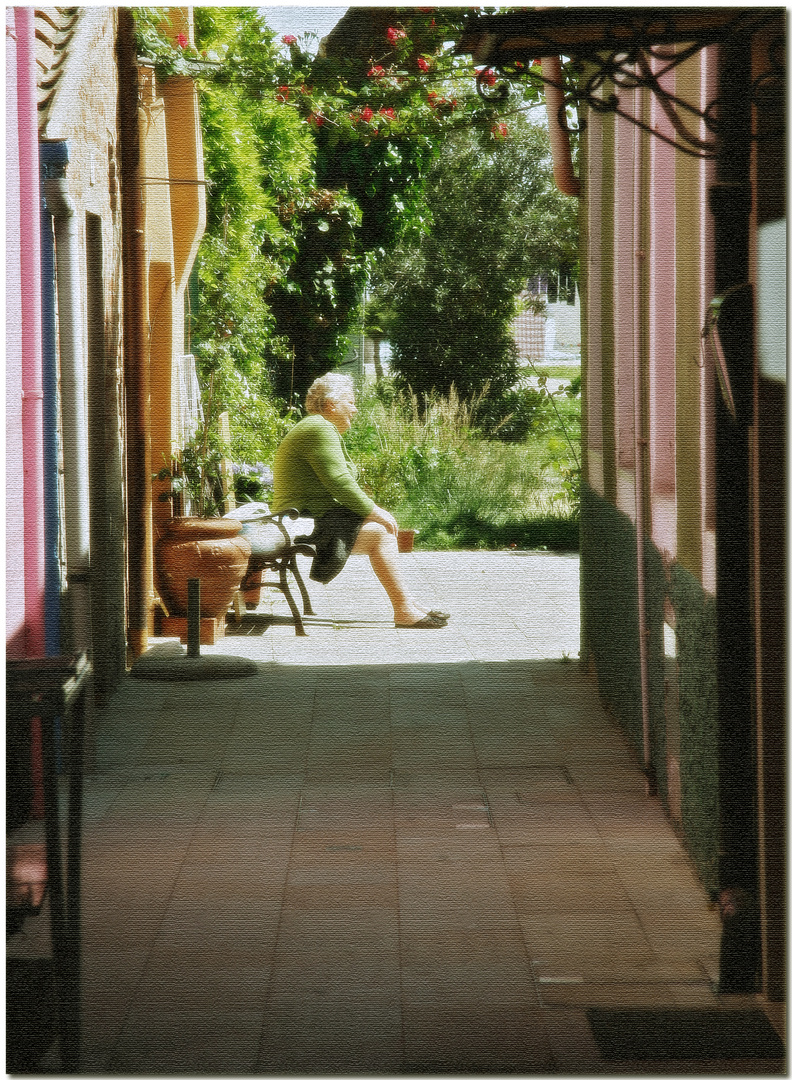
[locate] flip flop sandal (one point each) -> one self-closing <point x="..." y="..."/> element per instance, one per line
<point x="428" y="622"/>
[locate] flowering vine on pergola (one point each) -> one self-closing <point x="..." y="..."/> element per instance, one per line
<point x="414" y="84"/>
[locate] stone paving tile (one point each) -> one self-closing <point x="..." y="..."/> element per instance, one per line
<point x="473" y="1038"/>
<point x="385" y="852"/>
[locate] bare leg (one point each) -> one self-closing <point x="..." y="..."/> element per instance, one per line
<point x="380" y="545"/>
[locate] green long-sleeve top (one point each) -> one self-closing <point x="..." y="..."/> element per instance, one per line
<point x="313" y="472"/>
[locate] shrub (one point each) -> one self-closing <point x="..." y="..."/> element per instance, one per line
<point x="430" y="466"/>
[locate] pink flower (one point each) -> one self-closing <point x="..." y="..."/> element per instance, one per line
<point x="289" y="39"/>
<point x="395" y="35"/>
<point x="182" y="41"/>
<point x="282" y="94"/>
<point x="391" y="115"/>
<point x="366" y="114"/>
<point x="422" y="64"/>
<point x="488" y="77"/>
<point x="375" y="72"/>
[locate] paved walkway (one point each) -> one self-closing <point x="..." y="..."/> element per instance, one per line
<point x="388" y="852"/>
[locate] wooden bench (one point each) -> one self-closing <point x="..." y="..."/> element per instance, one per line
<point x="272" y="548"/>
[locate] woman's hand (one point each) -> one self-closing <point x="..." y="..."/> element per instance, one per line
<point x="382" y="517"/>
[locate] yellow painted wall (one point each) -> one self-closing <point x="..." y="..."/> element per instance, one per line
<point x="175" y="217"/>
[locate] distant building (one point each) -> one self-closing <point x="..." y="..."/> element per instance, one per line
<point x="555" y="335"/>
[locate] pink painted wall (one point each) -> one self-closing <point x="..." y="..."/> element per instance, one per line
<point x="29" y="263"/>
<point x="14" y="477"/>
<point x="661" y="297"/>
<point x="593" y="388"/>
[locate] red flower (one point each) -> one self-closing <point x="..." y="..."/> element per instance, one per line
<point x="488" y="77"/>
<point x="182" y="41"/>
<point x="316" y="118"/>
<point x="282" y="94"/>
<point x="519" y="64"/>
<point x="426" y="10"/>
<point x="500" y="131"/>
<point x="422" y="64"/>
<point x="537" y="63"/>
<point x="375" y="72"/>
<point x="366" y="114"/>
<point x="391" y="115"/>
<point x="395" y="35"/>
<point x="289" y="39"/>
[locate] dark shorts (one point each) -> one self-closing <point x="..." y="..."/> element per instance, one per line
<point x="334" y="536"/>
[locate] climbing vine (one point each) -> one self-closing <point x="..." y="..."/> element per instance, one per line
<point x="316" y="165"/>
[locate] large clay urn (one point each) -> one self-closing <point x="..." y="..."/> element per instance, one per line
<point x="210" y="549"/>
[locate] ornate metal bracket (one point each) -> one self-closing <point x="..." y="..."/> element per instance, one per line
<point x="611" y="51"/>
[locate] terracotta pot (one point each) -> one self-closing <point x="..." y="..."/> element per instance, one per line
<point x="210" y="549"/>
<point x="405" y="539"/>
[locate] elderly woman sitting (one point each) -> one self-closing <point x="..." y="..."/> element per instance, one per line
<point x="313" y="472"/>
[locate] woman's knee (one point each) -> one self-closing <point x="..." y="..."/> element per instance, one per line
<point x="374" y="537"/>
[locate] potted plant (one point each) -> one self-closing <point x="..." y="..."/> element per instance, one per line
<point x="201" y="544"/>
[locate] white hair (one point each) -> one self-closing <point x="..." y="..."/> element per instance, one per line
<point x="326" y="389"/>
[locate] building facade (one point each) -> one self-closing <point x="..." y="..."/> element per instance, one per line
<point x="682" y="182"/>
<point x="105" y="209"/>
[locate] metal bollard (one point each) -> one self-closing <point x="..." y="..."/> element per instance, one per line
<point x="194" y="617"/>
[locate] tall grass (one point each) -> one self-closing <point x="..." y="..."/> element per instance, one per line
<point x="430" y="466"/>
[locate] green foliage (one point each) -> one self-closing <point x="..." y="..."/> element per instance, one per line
<point x="197" y="475"/>
<point x="511" y="415"/>
<point x="428" y="463"/>
<point x="497" y="220"/>
<point x="314" y="302"/>
<point x="315" y="168"/>
<point x="254" y="154"/>
<point x="257" y="156"/>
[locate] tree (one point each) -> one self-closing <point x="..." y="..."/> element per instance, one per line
<point x="496" y="221"/>
<point x="380" y="98"/>
<point x="316" y="167"/>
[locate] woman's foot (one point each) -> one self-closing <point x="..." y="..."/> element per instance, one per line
<point x="433" y="611"/>
<point x="428" y="622"/>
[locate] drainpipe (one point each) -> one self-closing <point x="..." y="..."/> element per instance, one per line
<point x="49" y="153"/>
<point x="32" y="388"/>
<point x="563" y="171"/>
<point x="136" y="379"/>
<point x="74" y="421"/>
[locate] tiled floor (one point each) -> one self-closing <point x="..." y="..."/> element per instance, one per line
<point x="387" y="852"/>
